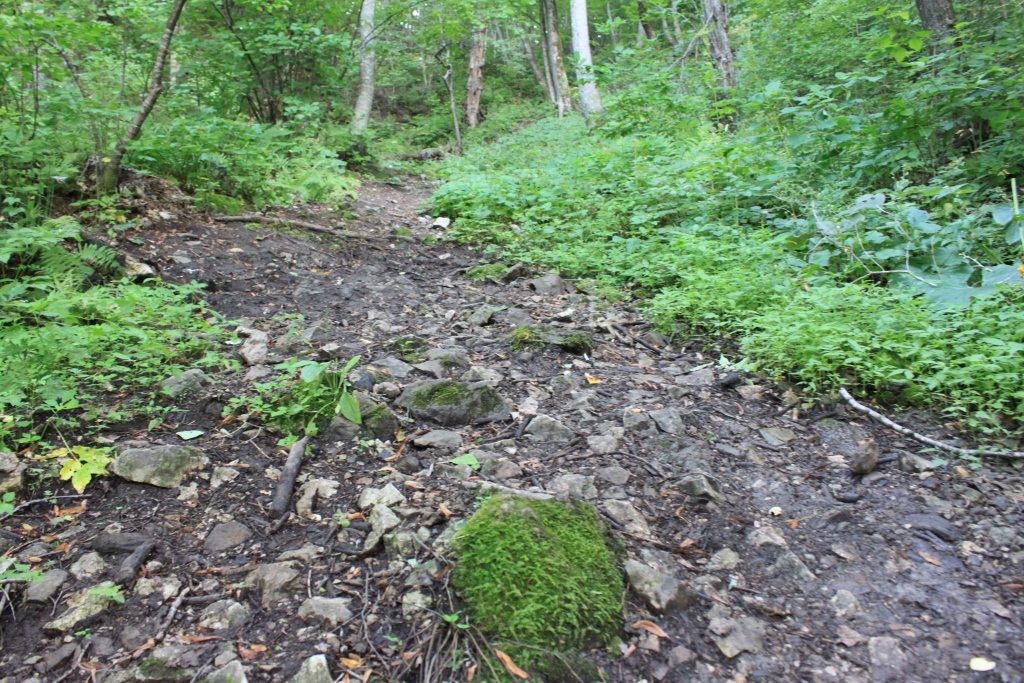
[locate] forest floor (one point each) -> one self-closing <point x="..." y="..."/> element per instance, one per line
<point x="792" y="568"/>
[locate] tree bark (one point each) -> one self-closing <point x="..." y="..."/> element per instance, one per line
<point x="447" y="78"/>
<point x="645" y="22"/>
<point x="590" y="98"/>
<point x="110" y="170"/>
<point x="367" y="69"/>
<point x="475" y="81"/>
<point x="554" y="43"/>
<point x="535" y="67"/>
<point x="937" y="16"/>
<point x="721" y="51"/>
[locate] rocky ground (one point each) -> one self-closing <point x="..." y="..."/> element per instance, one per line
<point x="754" y="553"/>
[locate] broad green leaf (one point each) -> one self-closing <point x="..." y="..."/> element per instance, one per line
<point x="466" y="459"/>
<point x="312" y="371"/>
<point x="349" y="407"/>
<point x="1002" y="214"/>
<point x="190" y="434"/>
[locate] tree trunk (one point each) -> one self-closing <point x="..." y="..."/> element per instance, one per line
<point x="675" y="22"/>
<point x="110" y="170"/>
<point x="367" y="69"/>
<point x="937" y="16"/>
<point x="475" y="81"/>
<point x="554" y="43"/>
<point x="590" y="98"/>
<point x="535" y="67"/>
<point x="645" y="22"/>
<point x="611" y="24"/>
<point x="447" y="78"/>
<point x="721" y="51"/>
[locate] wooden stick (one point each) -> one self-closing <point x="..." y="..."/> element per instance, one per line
<point x="283" y="496"/>
<point x="860" y="408"/>
<point x="314" y="227"/>
<point x="130" y="565"/>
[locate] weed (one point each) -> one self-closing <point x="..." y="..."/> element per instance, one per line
<point x="492" y="271"/>
<point x="82" y="464"/>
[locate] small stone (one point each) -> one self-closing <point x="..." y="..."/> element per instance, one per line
<point x="232" y="672"/>
<point x="305" y="554"/>
<point x="505" y="469"/>
<point x="481" y="316"/>
<point x="576" y="486"/>
<point x="865" y="459"/>
<point x="845" y="604"/>
<point x="766" y="535"/>
<point x="331" y="351"/>
<point x="408" y="464"/>
<point x="433" y="368"/>
<point x="224" y="615"/>
<point x="935" y="524"/>
<point x="312" y="490"/>
<point x="1003" y="535"/>
<point x="616" y="475"/>
<point x="186" y="382"/>
<point x="255" y="348"/>
<point x="734" y="636"/>
<point x="12" y="472"/>
<point x="888" y="660"/>
<point x="777" y="436"/>
<point x="625" y="514"/>
<point x="847" y="551"/>
<point x="326" y="612"/>
<point x="222" y="475"/>
<point x="911" y="462"/>
<point x="400" y="545"/>
<point x="488" y="376"/>
<point x="382" y="519"/>
<point x="724" y="560"/>
<point x="680" y="655"/>
<point x="82" y="606"/>
<point x="603" y="444"/>
<point x="439" y="438"/>
<point x="387" y="389"/>
<point x="313" y="670"/>
<point x="415" y="602"/>
<point x="750" y="392"/>
<point x="398" y="369"/>
<point x="226" y="536"/>
<point x="273" y="581"/>
<point x="389" y="495"/>
<point x="547" y="429"/>
<point x="700" y="378"/>
<point x="52" y="660"/>
<point x="660" y="590"/>
<point x="792" y="567"/>
<point x="88" y="567"/>
<point x="700" y="486"/>
<point x="163" y="466"/>
<point x="636" y="420"/>
<point x="668" y="420"/>
<point x="551" y="284"/>
<point x="166" y="586"/>
<point x="454" y="403"/>
<point x="47" y="587"/>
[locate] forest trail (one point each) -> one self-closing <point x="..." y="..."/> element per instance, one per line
<point x="771" y="560"/>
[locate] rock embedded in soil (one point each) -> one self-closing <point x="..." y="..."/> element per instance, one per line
<point x="888" y="661"/>
<point x="577" y="486"/>
<point x="311" y="491"/>
<point x="222" y="475"/>
<point x="668" y="420"/>
<point x="699" y="378"/>
<point x="162" y="466"/>
<point x="389" y="495"/>
<point x="791" y="567"/>
<point x="89" y="566"/>
<point x="232" y="672"/>
<point x="187" y="382"/>
<point x="661" y="591"/>
<point x="224" y="615"/>
<point x="255" y="348"/>
<point x="547" y="429"/>
<point x="313" y="670"/>
<point x="735" y="636"/>
<point x="439" y="438"/>
<point x="273" y="581"/>
<point x="623" y="513"/>
<point x="723" y="560"/>
<point x="454" y="403"/>
<point x="226" y="536"/>
<point x="551" y="284"/>
<point x="326" y="612"/>
<point x="766" y="535"/>
<point x="865" y="458"/>
<point x="481" y="316"/>
<point x="934" y="524"/>
<point x="46" y="587"/>
<point x="166" y="586"/>
<point x="603" y="444"/>
<point x="82" y="606"/>
<point x="395" y="367"/>
<point x="488" y="376"/>
<point x="12" y="472"/>
<point x="777" y="436"/>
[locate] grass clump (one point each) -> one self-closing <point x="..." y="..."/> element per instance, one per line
<point x="441" y="394"/>
<point x="492" y="271"/>
<point x="409" y="349"/>
<point x="537" y="336"/>
<point x="539" y="573"/>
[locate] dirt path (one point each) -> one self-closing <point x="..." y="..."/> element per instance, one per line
<point x="786" y="566"/>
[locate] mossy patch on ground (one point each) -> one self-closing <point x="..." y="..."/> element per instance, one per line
<point x="539" y="573"/>
<point x="442" y="394"/>
<point x="538" y="336"/>
<point x="492" y="271"/>
<point x="409" y="349"/>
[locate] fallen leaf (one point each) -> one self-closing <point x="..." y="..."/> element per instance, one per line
<point x="928" y="557"/>
<point x="352" y="662"/>
<point x="687" y="543"/>
<point x="444" y="510"/>
<point x="355" y="516"/>
<point x="982" y="664"/>
<point x="849" y="637"/>
<point x="793" y="523"/>
<point x="415" y="485"/>
<point x="650" y="627"/>
<point x="250" y="653"/>
<point x="235" y="250"/>
<point x="471" y="674"/>
<point x="591" y="379"/>
<point x="510" y="665"/>
<point x="627" y="650"/>
<point x="190" y="434"/>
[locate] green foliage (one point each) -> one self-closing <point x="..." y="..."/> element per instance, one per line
<point x="107" y="592"/>
<point x="304" y="398"/>
<point x="11" y="571"/>
<point x="7" y="504"/>
<point x="492" y="271"/>
<point x="540" y="573"/>
<point x="82" y="464"/>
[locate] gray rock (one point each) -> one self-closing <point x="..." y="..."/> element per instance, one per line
<point x="766" y="535"/>
<point x="488" y="376"/>
<point x="439" y="438"/>
<point x="450" y="358"/>
<point x="623" y="513"/>
<point x="668" y="420"/>
<point x="734" y="636"/>
<point x="1003" y="535"/>
<point x="331" y="351"/>
<point x="224" y="615"/>
<point x="12" y="472"/>
<point x="255" y="348"/>
<point x="551" y="284"/>
<point x="865" y="458"/>
<point x="47" y="587"/>
<point x="777" y="436"/>
<point x="454" y="403"/>
<point x="273" y="581"/>
<point x="700" y="486"/>
<point x="501" y="470"/>
<point x="841" y="438"/>
<point x="188" y="381"/>
<point x="232" y="672"/>
<point x="660" y="590"/>
<point x="326" y="612"/>
<point x="393" y="366"/>
<point x="311" y="491"/>
<point x="433" y="368"/>
<point x="845" y="604"/>
<point x="888" y="661"/>
<point x="635" y="419"/>
<point x="547" y="429"/>
<point x="561" y="385"/>
<point x="603" y="444"/>
<point x="304" y="554"/>
<point x="222" y="475"/>
<point x="682" y="454"/>
<point x="82" y="606"/>
<point x="792" y="567"/>
<point x="699" y="378"/>
<point x="576" y="486"/>
<point x="911" y="462"/>
<point x="481" y="316"/>
<point x="225" y="536"/>
<point x="170" y="664"/>
<point x="387" y="389"/>
<point x="163" y="466"/>
<point x="389" y="495"/>
<point x="313" y="670"/>
<point x="342" y="429"/>
<point x="517" y="316"/>
<point x="750" y="392"/>
<point x="724" y="560"/>
<point x="618" y="476"/>
<point x="55" y="658"/>
<point x="378" y="419"/>
<point x="382" y="519"/>
<point x="166" y="586"/>
<point x="935" y="524"/>
<point x="88" y="567"/>
<point x="415" y="602"/>
<point x="400" y="545"/>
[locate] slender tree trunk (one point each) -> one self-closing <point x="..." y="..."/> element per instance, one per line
<point x="549" y="81"/>
<point x="611" y="23"/>
<point x="937" y="16"/>
<point x="447" y="78"/>
<point x="554" y="42"/>
<point x="110" y="170"/>
<point x="674" y="9"/>
<point x="475" y="81"/>
<point x="645" y="22"/>
<point x="367" y="69"/>
<point x="535" y="67"/>
<point x="641" y="35"/>
<point x="590" y="98"/>
<point x="721" y="51"/>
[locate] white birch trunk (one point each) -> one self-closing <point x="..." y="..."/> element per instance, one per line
<point x="590" y="98"/>
<point x="367" y="69"/>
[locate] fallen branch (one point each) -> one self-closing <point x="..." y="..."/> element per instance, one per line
<point x="860" y="408"/>
<point x="643" y="342"/>
<point x="130" y="565"/>
<point x="305" y="225"/>
<point x="283" y="496"/>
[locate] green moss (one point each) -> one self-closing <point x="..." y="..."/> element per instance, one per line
<point x="409" y="349"/>
<point x="381" y="422"/>
<point x="577" y="342"/>
<point x="403" y="232"/>
<point x="539" y="573"/>
<point x="525" y="337"/>
<point x="492" y="271"/>
<point x="441" y="394"/>
<point x="537" y="336"/>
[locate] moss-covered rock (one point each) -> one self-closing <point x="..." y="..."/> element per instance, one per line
<point x="453" y="403"/>
<point x="377" y="418"/>
<point x="540" y="573"/>
<point x="491" y="271"/>
<point x="409" y="349"/>
<point x="538" y="336"/>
